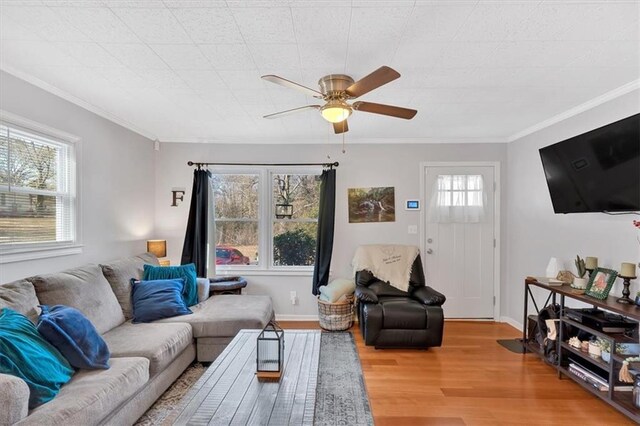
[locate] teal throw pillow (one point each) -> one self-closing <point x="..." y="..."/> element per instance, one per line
<point x="186" y="272"/>
<point x="157" y="299"/>
<point x="24" y="353"/>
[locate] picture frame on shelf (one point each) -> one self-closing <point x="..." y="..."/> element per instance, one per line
<point x="600" y="283"/>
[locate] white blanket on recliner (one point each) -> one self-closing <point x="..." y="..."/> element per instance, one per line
<point x="388" y="262"/>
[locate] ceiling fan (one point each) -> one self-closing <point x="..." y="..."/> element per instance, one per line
<point x="337" y="89"/>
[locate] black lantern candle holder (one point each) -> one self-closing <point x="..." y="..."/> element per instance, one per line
<point x="270" y="352"/>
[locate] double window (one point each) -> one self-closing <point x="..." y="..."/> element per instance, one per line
<point x="37" y="190"/>
<point x="266" y="218"/>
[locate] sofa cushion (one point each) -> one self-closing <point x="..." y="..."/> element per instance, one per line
<point x="159" y="343"/>
<point x="225" y="315"/>
<point x="120" y="272"/>
<point x="14" y="399"/>
<point x="74" y="336"/>
<point x="157" y="299"/>
<point x="84" y="288"/>
<point x="21" y="297"/>
<point x="93" y="394"/>
<point x="186" y="272"/>
<point x="27" y="355"/>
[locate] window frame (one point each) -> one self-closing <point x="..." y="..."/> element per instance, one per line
<point x="27" y="251"/>
<point x="266" y="218"/>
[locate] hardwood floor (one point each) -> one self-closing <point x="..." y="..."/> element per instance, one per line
<point x="472" y="380"/>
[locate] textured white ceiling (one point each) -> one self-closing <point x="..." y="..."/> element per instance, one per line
<point x="187" y="70"/>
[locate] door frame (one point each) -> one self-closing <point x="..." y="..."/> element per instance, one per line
<point x="496" y="211"/>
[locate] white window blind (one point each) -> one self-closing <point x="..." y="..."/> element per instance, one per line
<point x="37" y="189"/>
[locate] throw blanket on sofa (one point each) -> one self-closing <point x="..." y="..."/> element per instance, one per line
<point x="388" y="262"/>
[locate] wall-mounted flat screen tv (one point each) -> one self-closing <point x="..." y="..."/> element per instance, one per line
<point x="598" y="171"/>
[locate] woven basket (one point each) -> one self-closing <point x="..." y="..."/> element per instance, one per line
<point x="336" y="316"/>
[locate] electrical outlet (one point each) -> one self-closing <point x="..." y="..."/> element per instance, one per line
<point x="412" y="229"/>
<point x="294" y="297"/>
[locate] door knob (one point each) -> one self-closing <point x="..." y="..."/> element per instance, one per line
<point x="429" y="251"/>
<point x="430" y="240"/>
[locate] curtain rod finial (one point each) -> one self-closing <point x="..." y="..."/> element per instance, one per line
<point x="189" y="163"/>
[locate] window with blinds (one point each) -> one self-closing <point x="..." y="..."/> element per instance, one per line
<point x="37" y="189"/>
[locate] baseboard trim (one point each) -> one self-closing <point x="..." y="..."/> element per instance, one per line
<point x="513" y="323"/>
<point x="284" y="317"/>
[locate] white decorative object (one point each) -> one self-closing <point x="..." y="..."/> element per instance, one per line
<point x="580" y="283"/>
<point x="553" y="268"/>
<point x="594" y="349"/>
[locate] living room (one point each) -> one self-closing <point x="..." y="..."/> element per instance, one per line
<point x="493" y="82"/>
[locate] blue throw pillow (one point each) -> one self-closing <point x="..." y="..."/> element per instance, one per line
<point x="158" y="299"/>
<point x="74" y="336"/>
<point x="27" y="355"/>
<point x="188" y="272"/>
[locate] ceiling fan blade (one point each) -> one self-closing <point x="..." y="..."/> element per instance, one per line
<point x="292" y="85"/>
<point x="379" y="77"/>
<point x="341" y="127"/>
<point x="383" y="109"/>
<point x="291" y="111"/>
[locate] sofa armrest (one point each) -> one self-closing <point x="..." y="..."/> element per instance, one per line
<point x="428" y="296"/>
<point x="14" y="399"/>
<point x="203" y="289"/>
<point x="366" y="295"/>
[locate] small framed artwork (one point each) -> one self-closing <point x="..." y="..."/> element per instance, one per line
<point x="600" y="283"/>
<point x="372" y="204"/>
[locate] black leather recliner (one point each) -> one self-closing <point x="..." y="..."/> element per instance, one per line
<point x="392" y="318"/>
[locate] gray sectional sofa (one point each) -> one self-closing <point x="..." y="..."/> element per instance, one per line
<point x="145" y="358"/>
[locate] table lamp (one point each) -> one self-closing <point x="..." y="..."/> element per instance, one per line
<point x="159" y="249"/>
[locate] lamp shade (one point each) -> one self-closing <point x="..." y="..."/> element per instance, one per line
<point x="157" y="247"/>
<point x="335" y="111"/>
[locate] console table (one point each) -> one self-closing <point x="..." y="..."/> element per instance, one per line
<point x="621" y="400"/>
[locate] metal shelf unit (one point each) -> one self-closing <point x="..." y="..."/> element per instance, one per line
<point x="620" y="400"/>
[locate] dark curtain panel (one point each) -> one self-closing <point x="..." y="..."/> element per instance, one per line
<point x="326" y="219"/>
<point x="195" y="240"/>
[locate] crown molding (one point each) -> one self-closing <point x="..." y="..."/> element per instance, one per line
<point x="76" y="101"/>
<point x="590" y="104"/>
<point x="332" y="141"/>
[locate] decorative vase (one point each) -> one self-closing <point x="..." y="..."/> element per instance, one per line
<point x="638" y="300"/>
<point x="553" y="267"/>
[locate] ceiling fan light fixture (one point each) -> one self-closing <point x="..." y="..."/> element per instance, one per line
<point x="336" y="111"/>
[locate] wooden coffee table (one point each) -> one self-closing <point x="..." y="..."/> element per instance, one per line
<point x="228" y="393"/>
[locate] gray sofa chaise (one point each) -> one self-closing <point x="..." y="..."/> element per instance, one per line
<point x="145" y="358"/>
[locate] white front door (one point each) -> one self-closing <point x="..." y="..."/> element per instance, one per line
<point x="459" y="245"/>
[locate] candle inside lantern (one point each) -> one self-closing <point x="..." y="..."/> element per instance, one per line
<point x="628" y="270"/>
<point x="591" y="262"/>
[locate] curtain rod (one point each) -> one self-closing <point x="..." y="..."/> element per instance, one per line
<point x="334" y="164"/>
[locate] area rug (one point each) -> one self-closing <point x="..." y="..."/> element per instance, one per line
<point x="341" y="395"/>
<point x="163" y="408"/>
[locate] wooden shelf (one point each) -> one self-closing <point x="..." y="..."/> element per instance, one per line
<point x="584" y="355"/>
<point x="620" y="400"/>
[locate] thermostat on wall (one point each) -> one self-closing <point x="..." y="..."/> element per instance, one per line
<point x="412" y="205"/>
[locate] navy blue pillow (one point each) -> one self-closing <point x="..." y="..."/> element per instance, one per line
<point x="157" y="299"/>
<point x="188" y="272"/>
<point x="74" y="336"/>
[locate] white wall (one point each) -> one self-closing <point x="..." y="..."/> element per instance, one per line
<point x="363" y="165"/>
<point x="117" y="191"/>
<point x="535" y="233"/>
